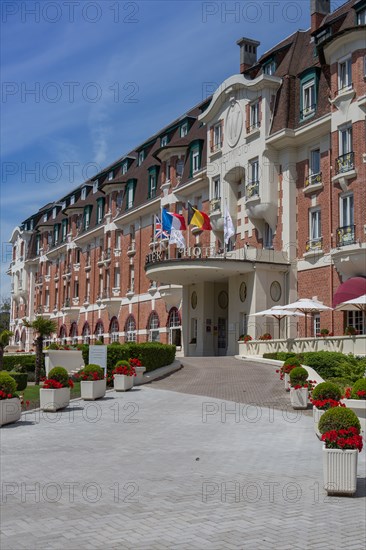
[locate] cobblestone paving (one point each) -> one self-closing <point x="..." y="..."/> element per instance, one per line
<point x="154" y="469"/>
<point x="230" y="379"/>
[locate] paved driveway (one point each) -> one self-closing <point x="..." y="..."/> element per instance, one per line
<point x="155" y="469"/>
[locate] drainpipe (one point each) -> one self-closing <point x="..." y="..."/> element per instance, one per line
<point x="139" y="279"/>
<point x="331" y="239"/>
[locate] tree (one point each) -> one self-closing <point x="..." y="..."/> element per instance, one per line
<point x="43" y="328"/>
<point x="4" y="313"/>
<point x="5" y="336"/>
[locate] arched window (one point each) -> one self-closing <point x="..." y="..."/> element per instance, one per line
<point x="114" y="330"/>
<point x="63" y="335"/>
<point x="74" y="333"/>
<point x="153" y="327"/>
<point x="99" y="331"/>
<point x="130" y="329"/>
<point x="174" y="326"/>
<point x="86" y="333"/>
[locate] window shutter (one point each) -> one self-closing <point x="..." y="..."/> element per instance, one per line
<point x="247" y="110"/>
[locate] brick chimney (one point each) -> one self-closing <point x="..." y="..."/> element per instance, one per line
<point x="248" y="53"/>
<point x="318" y="10"/>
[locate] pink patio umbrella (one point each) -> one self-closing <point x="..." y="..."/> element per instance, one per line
<point x="355" y="304"/>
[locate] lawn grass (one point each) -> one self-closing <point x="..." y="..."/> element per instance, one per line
<point x="31" y="394"/>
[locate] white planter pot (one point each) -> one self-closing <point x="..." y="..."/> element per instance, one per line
<point x="299" y="398"/>
<point x="358" y="406"/>
<point x="10" y="410"/>
<point x="93" y="389"/>
<point x="340" y="471"/>
<point x="52" y="400"/>
<point x="121" y="382"/>
<point x="317" y="413"/>
<point x="139" y="375"/>
<point x="287" y="382"/>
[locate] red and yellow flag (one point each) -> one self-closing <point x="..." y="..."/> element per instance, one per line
<point x="198" y="218"/>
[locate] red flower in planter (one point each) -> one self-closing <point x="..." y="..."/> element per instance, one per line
<point x="361" y="393"/>
<point x="135" y="363"/>
<point x="347" y="393"/>
<point x="51" y="384"/>
<point x="343" y="439"/>
<point x="71" y="383"/>
<point x="325" y="404"/>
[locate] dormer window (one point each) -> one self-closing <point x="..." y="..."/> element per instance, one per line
<point x="31" y="225"/>
<point x="141" y="157"/>
<point x="361" y="17"/>
<point x="184" y="130"/>
<point x="124" y="168"/>
<point x="308" y="98"/>
<point x="54" y="213"/>
<point x="45" y="217"/>
<point x="95" y="186"/>
<point x="269" y="68"/>
<point x="164" y="141"/>
<point x="110" y="175"/>
<point x="83" y="194"/>
<point x="63" y="205"/>
<point x="100" y="210"/>
<point x="130" y="193"/>
<point x="308" y="93"/>
<point x="72" y="199"/>
<point x="153" y="180"/>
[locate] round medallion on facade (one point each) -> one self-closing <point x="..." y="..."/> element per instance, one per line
<point x="275" y="291"/>
<point x="234" y="123"/>
<point x="223" y="299"/>
<point x="243" y="292"/>
<point x="194" y="300"/>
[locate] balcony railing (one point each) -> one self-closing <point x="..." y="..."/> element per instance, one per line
<point x="345" y="162"/>
<point x="215" y="205"/>
<point x="314" y="244"/>
<point x="346" y="235"/>
<point x="313" y="179"/>
<point x="252" y="189"/>
<point x="308" y="111"/>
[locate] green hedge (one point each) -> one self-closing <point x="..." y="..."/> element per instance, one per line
<point x="21" y="378"/>
<point x="152" y="355"/>
<point x="279" y="355"/>
<point x="26" y="362"/>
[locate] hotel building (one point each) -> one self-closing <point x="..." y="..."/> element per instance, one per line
<point x="281" y="146"/>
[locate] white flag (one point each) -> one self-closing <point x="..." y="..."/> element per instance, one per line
<point x="176" y="237"/>
<point x="229" y="229"/>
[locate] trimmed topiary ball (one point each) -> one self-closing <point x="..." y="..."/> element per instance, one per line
<point x="359" y="389"/>
<point x="298" y="375"/>
<point x="338" y="419"/>
<point x="122" y="364"/>
<point x="21" y="379"/>
<point x="90" y="369"/>
<point x="327" y="390"/>
<point x="342" y="383"/>
<point x="290" y="364"/>
<point x="60" y="375"/>
<point x="7" y="383"/>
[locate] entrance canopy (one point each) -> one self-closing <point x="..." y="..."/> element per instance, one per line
<point x="352" y="288"/>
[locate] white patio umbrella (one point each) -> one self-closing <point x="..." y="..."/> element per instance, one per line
<point x="306" y="305"/>
<point x="355" y="304"/>
<point x="278" y="313"/>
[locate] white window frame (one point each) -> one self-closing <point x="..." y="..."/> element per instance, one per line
<point x="217" y="136"/>
<point x="54" y="212"/>
<point x="167" y="171"/>
<point x="254" y="115"/>
<point x="216" y="188"/>
<point x="269" y="68"/>
<point x="345" y="78"/>
<point x="179" y="168"/>
<point x="361" y="17"/>
<point x="95" y="186"/>
<point x="313" y="172"/>
<point x="131" y="332"/>
<point x="308" y="99"/>
<point x="110" y="175"/>
<point x="124" y="168"/>
<point x="315" y="224"/>
<point x="83" y="194"/>
<point x="268" y="237"/>
<point x="100" y="212"/>
<point x="153" y="329"/>
<point x="72" y="199"/>
<point x="141" y="157"/>
<point x="316" y="323"/>
<point x="129" y="198"/>
<point x="254" y="171"/>
<point x="152" y="183"/>
<point x="349" y="139"/>
<point x="356" y="319"/>
<point x="184" y="130"/>
<point x="45" y="217"/>
<point x="117" y="278"/>
<point x="195" y="161"/>
<point x="164" y="141"/>
<point x="347" y="214"/>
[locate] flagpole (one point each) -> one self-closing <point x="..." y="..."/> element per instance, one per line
<point x="224" y="229"/>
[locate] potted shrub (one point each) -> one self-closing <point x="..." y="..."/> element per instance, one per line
<point x="356" y="400"/>
<point x="139" y="369"/>
<point x="350" y="331"/>
<point x="324" y="332"/>
<point x="10" y="406"/>
<point x="324" y="396"/>
<point x="265" y="336"/>
<point x="55" y="393"/>
<point x="340" y="431"/>
<point x="245" y="338"/>
<point x="92" y="382"/>
<point x="290" y="364"/>
<point x="123" y="376"/>
<point x="299" y="391"/>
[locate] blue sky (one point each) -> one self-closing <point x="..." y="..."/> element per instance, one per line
<point x="107" y="75"/>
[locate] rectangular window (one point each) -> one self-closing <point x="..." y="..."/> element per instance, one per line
<point x="243" y="329"/>
<point x="164" y="141"/>
<point x="193" y="331"/>
<point x="345" y="74"/>
<point x="45" y="217"/>
<point x="345" y="141"/>
<point x="77" y="255"/>
<point x="254" y="171"/>
<point x="308" y="98"/>
<point x="152" y="185"/>
<point x="196" y="161"/>
<point x="130" y="195"/>
<point x="216" y="188"/>
<point x="184" y="130"/>
<point x="110" y="176"/>
<point x="56" y="231"/>
<point x="72" y="199"/>
<point x="254" y="115"/>
<point x="361" y="17"/>
<point x="356" y="319"/>
<point x="167" y="171"/>
<point x="132" y="278"/>
<point x="124" y="168"/>
<point x="100" y="210"/>
<point x="180" y="168"/>
<point x="316" y="324"/>
<point x="315" y="224"/>
<point x="83" y="194"/>
<point x="268" y="236"/>
<point x="347" y="210"/>
<point x="64" y="230"/>
<point x="54" y="212"/>
<point x="141" y="157"/>
<point x="314" y="162"/>
<point x="217" y="137"/>
<point x="95" y="186"/>
<point x="117" y="278"/>
<point x="269" y="68"/>
<point x="76" y="289"/>
<point x="86" y="217"/>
